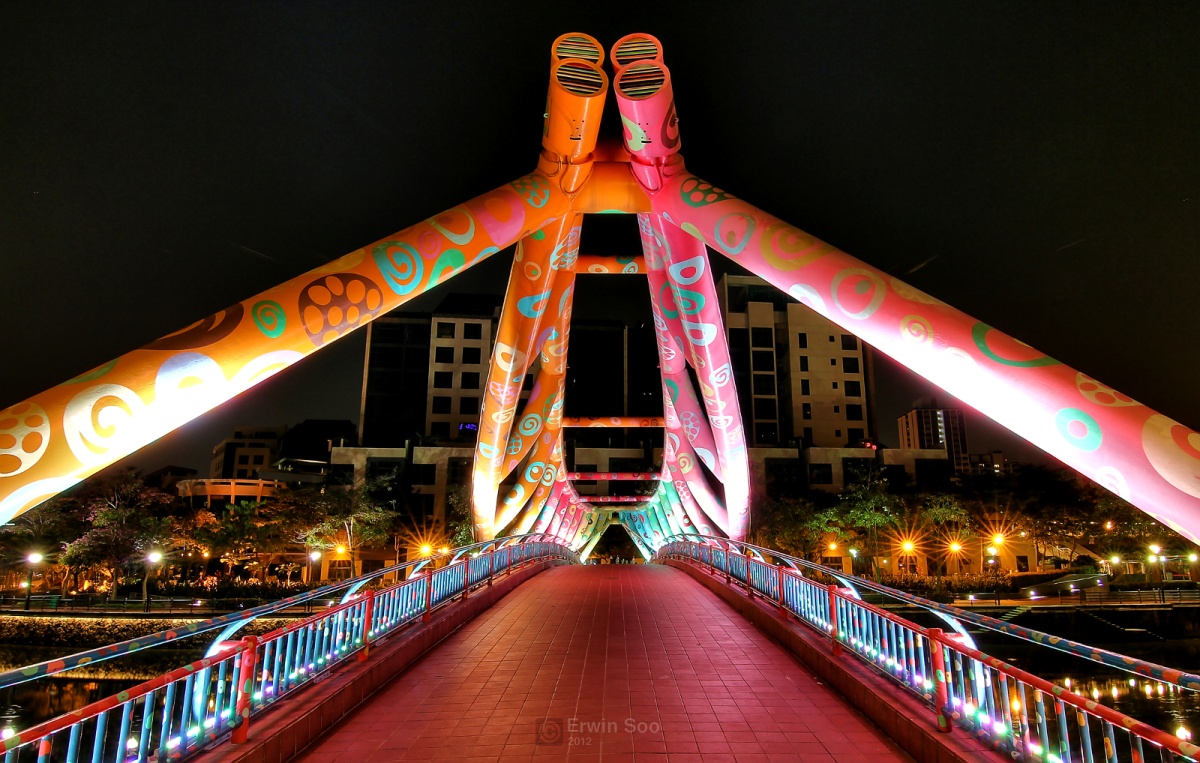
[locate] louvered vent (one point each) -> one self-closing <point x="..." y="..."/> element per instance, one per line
<point x="577" y="46"/>
<point x="641" y="80"/>
<point x="579" y="79"/>
<point x="635" y="48"/>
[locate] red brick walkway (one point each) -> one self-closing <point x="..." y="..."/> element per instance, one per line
<point x="612" y="662"/>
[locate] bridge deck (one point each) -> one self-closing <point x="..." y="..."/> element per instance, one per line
<point x="630" y="662"/>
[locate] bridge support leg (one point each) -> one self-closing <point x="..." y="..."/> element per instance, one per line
<point x="245" y="690"/>
<point x="941" y="697"/>
<point x="428" y="596"/>
<point x="833" y="620"/>
<point x="782" y="600"/>
<point x="368" y="617"/>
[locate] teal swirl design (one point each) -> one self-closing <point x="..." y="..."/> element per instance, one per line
<point x="269" y="318"/>
<point x="400" y="266"/>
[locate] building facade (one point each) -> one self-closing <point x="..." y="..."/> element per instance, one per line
<point x="800" y="377"/>
<point x="930" y="427"/>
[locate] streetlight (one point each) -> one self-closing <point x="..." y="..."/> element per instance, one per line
<point x="312" y="559"/>
<point x="907" y="547"/>
<point x="153" y="558"/>
<point x="426" y="550"/>
<point x="998" y="539"/>
<point x="32" y="559"/>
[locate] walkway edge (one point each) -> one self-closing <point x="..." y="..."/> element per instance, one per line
<point x="909" y="723"/>
<point x="276" y="736"/>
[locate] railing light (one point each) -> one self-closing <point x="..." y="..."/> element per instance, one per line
<point x="131" y="743"/>
<point x="999" y="728"/>
<point x="257" y="695"/>
<point x="7" y="732"/>
<point x="173" y="743"/>
<point x="210" y="722"/>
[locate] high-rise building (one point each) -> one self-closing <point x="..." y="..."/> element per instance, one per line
<point x="460" y="342"/>
<point x="929" y="427"/>
<point x="395" y="379"/>
<point x="800" y="377"/>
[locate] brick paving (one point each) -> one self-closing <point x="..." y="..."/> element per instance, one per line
<point x="610" y="662"/>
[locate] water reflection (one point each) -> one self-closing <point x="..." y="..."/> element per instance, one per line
<point x="1153" y="702"/>
<point x="34" y="702"/>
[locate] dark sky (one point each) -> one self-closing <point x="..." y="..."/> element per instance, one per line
<point x="1034" y="164"/>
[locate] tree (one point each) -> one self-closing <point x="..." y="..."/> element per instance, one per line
<point x="868" y="507"/>
<point x="795" y="526"/>
<point x="324" y="516"/>
<point x="460" y="524"/>
<point x="945" y="518"/>
<point x="127" y="522"/>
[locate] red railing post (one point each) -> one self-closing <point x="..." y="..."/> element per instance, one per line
<point x="782" y="602"/>
<point x="245" y="690"/>
<point x="368" y="616"/>
<point x="941" y="692"/>
<point x="428" y="595"/>
<point x="833" y="620"/>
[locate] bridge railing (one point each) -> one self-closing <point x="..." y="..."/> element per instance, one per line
<point x="176" y="715"/>
<point x="1022" y="716"/>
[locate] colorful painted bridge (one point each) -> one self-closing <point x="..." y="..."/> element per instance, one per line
<point x="53" y="440"/>
<point x="511" y="650"/>
<point x="570" y="644"/>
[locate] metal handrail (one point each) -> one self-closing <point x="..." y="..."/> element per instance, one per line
<point x="964" y="687"/>
<point x="1180" y="678"/>
<point x="180" y="713"/>
<point x="231" y="621"/>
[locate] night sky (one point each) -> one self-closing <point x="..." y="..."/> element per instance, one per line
<point x="1035" y="165"/>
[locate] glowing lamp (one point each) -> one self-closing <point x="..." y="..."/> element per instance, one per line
<point x="341" y="549"/>
<point x="443" y="550"/>
<point x="955" y="547"/>
<point x="833" y="546"/>
<point x="908" y="546"/>
<point x="1152" y="558"/>
<point x="1155" y="548"/>
<point x="998" y="539"/>
<point x="1108" y="525"/>
<point x="154" y="557"/>
<point x="854" y="553"/>
<point x="34" y="558"/>
<point x="1193" y="557"/>
<point x="991" y="550"/>
<point x="315" y="555"/>
<point x="426" y="550"/>
<point x="1115" y="560"/>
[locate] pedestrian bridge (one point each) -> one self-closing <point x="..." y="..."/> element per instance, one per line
<point x="510" y="649"/>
